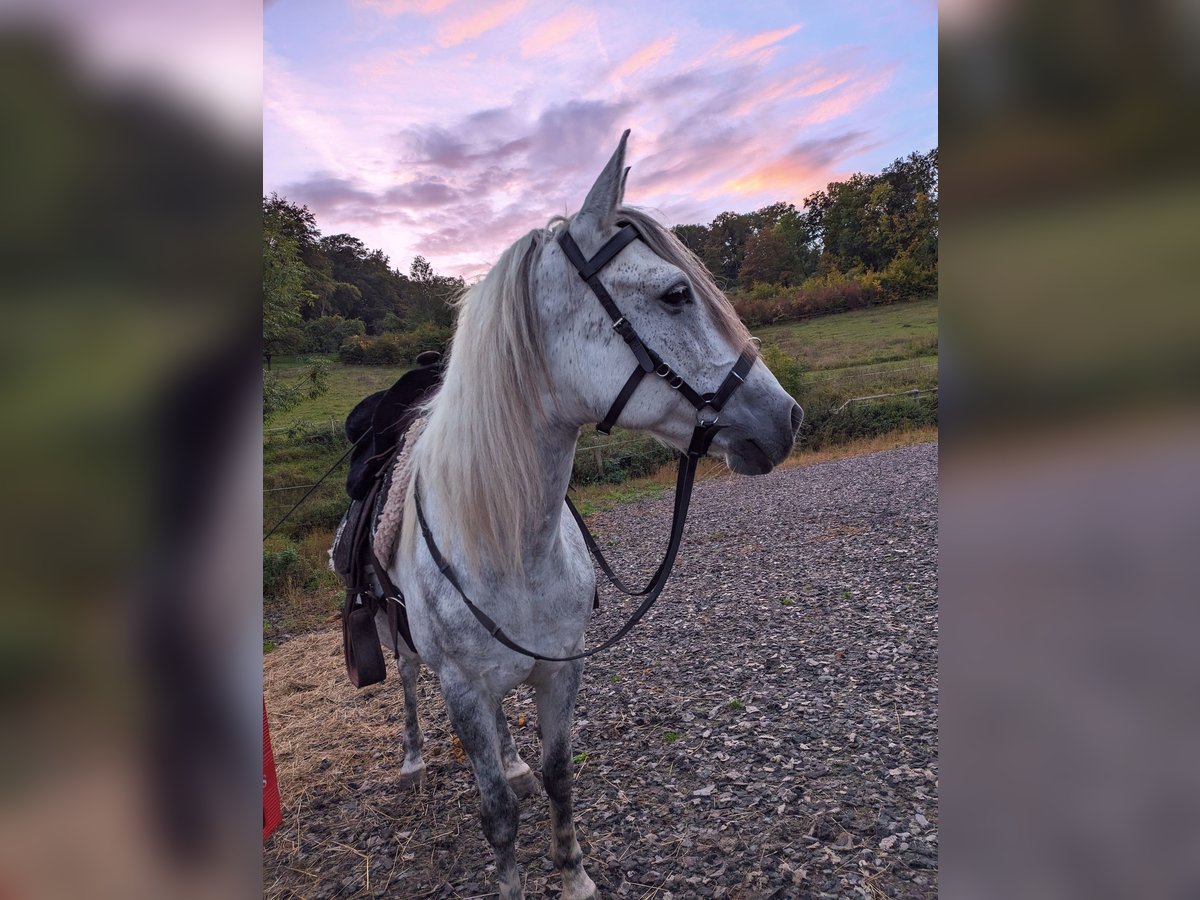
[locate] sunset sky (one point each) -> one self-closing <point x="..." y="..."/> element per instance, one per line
<point x="448" y="128"/>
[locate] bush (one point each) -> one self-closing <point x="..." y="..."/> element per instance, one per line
<point x="786" y="369"/>
<point x="630" y="457"/>
<point x="904" y="278"/>
<point x="352" y="349"/>
<point x="284" y="571"/>
<point x="761" y="291"/>
<point x="394" y="349"/>
<point x="328" y="333"/>
<point x="835" y="292"/>
<point x="280" y="396"/>
<point x="824" y="426"/>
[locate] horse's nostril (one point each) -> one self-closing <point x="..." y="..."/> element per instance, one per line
<point x="797" y="417"/>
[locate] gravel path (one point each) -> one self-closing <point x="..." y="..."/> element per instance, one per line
<point x="769" y="730"/>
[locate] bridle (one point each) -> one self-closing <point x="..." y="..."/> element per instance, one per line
<point x="707" y="423"/>
<point x="708" y="413"/>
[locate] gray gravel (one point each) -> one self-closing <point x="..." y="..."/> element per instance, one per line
<point x="769" y="730"/>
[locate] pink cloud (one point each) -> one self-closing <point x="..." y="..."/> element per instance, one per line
<point x="806" y="167"/>
<point x="458" y="30"/>
<point x="399" y="7"/>
<point x="757" y="42"/>
<point x="557" y="31"/>
<point x="490" y="148"/>
<point x="799" y="86"/>
<point x="824" y="84"/>
<point x="849" y="99"/>
<point x="780" y="178"/>
<point x="390" y="63"/>
<point x="646" y="57"/>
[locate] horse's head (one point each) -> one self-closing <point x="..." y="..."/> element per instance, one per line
<point x="676" y="310"/>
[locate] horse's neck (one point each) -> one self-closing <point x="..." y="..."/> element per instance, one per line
<point x="540" y="520"/>
<point x="556" y="452"/>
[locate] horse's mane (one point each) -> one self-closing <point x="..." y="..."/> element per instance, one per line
<point x="478" y="454"/>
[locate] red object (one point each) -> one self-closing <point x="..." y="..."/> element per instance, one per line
<point x="272" y="814"/>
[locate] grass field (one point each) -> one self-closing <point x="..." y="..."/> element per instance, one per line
<point x="347" y="385"/>
<point x="865" y="337"/>
<point x="868" y="348"/>
<point x="826" y="361"/>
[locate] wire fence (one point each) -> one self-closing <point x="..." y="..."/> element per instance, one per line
<point x="864" y="374"/>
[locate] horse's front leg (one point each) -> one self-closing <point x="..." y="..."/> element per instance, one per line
<point x="516" y="770"/>
<point x="412" y="772"/>
<point x="473" y="715"/>
<point x="555" y="697"/>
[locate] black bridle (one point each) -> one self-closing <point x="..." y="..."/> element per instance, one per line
<point x="708" y="412"/>
<point x="707" y="423"/>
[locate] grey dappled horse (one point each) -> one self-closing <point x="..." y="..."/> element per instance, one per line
<point x="534" y="359"/>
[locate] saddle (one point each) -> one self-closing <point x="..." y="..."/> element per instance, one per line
<point x="377" y="428"/>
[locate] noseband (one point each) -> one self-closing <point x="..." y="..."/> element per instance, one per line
<point x="708" y="413"/>
<point x="708" y="406"/>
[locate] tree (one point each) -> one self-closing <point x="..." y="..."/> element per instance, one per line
<point x="364" y="285"/>
<point x="780" y="251"/>
<point x="430" y="294"/>
<point x="769" y="258"/>
<point x="298" y="223"/>
<point x="726" y="245"/>
<point x="283" y="286"/>
<point x="867" y="221"/>
<point x="328" y="333"/>
<point x="694" y="237"/>
<point x="294" y="222"/>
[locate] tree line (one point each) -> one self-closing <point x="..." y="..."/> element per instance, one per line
<point x="868" y="239"/>
<point x="862" y="224"/>
<point x="320" y="290"/>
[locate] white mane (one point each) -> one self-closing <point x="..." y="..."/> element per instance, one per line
<point x="478" y="456"/>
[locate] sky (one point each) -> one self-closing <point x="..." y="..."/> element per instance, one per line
<point x="449" y="128"/>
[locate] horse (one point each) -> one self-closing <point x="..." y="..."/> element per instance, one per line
<point x="535" y="358"/>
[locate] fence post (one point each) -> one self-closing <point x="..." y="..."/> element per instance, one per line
<point x="598" y="455"/>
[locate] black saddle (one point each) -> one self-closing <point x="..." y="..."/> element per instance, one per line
<point x="377" y="427"/>
<point x="386" y="415"/>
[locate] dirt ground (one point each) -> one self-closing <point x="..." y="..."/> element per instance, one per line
<point x="769" y="730"/>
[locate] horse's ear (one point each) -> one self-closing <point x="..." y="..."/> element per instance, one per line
<point x="624" y="178"/>
<point x="605" y="195"/>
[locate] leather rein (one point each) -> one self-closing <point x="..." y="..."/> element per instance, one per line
<point x="708" y="410"/>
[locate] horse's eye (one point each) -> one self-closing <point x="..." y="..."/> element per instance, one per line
<point x="677" y="296"/>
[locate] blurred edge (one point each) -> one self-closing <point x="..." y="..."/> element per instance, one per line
<point x="129" y="284"/>
<point x="1070" y="474"/>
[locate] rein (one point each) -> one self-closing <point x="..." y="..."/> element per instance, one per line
<point x="708" y="411"/>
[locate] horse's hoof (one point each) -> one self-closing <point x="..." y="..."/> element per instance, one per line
<point x="410" y="781"/>
<point x="580" y="888"/>
<point x="524" y="785"/>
